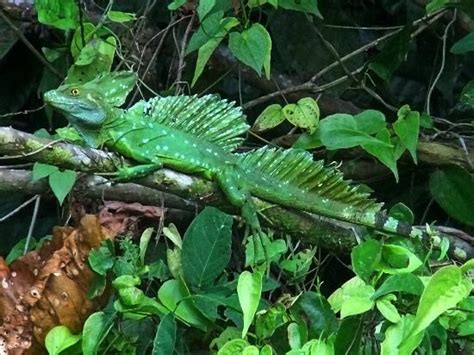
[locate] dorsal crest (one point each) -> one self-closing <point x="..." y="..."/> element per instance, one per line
<point x="208" y="117"/>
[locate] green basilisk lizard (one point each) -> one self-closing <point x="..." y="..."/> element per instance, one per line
<point x="198" y="135"/>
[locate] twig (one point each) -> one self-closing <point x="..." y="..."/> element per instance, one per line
<point x="30" y="46"/>
<point x="19" y="208"/>
<point x="443" y="62"/>
<point x="310" y="84"/>
<point x="24" y="112"/>
<point x="184" y="42"/>
<point x="32" y="224"/>
<point x="24" y="155"/>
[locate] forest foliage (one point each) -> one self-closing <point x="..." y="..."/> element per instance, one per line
<point x="385" y="89"/>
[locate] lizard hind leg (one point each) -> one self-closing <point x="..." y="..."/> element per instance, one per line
<point x="239" y="197"/>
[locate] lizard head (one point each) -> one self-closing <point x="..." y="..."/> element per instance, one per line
<point x="90" y="105"/>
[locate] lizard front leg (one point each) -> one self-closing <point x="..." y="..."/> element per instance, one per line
<point x="238" y="197"/>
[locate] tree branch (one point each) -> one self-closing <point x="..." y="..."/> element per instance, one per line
<point x="336" y="236"/>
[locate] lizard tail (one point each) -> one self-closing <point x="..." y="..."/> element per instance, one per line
<point x="292" y="178"/>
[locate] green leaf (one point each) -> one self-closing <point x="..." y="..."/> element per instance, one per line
<point x="294" y="336"/>
<point x="446" y="288"/>
<point x="405" y="282"/>
<point x="250" y="350"/>
<point x="42" y="170"/>
<point x="225" y="336"/>
<point x="309" y="6"/>
<point x="309" y="141"/>
<point x="385" y="154"/>
<point x="126" y="281"/>
<point x="464" y="45"/>
<point x="435" y="5"/>
<point x="208" y="304"/>
<point x="101" y="259"/>
<point x="348" y="337"/>
<point x="144" y="240"/>
<point x="397" y="259"/>
<point x="94" y="59"/>
<point x="270" y="320"/>
<point x="87" y="30"/>
<point x="340" y="131"/>
<point x="402" y="213"/>
<point x="365" y="257"/>
<point x="211" y="28"/>
<point x="120" y="17"/>
<point x="17" y="250"/>
<point x="298" y="265"/>
<point x="388" y="310"/>
<point x="60" y="338"/>
<point x="206" y="247"/>
<point x="96" y="328"/>
<point x="174" y="296"/>
<point x="452" y="190"/>
<point x="396" y="333"/>
<point x="61" y="183"/>
<point x="172" y="233"/>
<point x="271" y="117"/>
<point x="165" y="337"/>
<point x="249" y="289"/>
<point x="233" y="347"/>
<point x="176" y="4"/>
<point x="304" y="114"/>
<point x="357" y="300"/>
<point x="392" y="55"/>
<point x="62" y="14"/>
<point x="252" y="47"/>
<point x="207" y="48"/>
<point x="353" y="297"/>
<point x="204" y="7"/>
<point x="315" y="310"/>
<point x="370" y="121"/>
<point x="407" y="128"/>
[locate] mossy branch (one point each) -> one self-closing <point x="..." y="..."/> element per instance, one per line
<point x="333" y="235"/>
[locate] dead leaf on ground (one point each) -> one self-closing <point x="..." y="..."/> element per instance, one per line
<point x="49" y="287"/>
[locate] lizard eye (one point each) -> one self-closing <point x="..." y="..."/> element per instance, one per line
<point x="75" y="92"/>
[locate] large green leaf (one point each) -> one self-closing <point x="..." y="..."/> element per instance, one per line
<point x="445" y="290"/>
<point x="96" y="328"/>
<point x="174" y="296"/>
<point x="407" y="128"/>
<point x="62" y="14"/>
<point x="208" y="30"/>
<point x="383" y="153"/>
<point x="313" y="309"/>
<point x="392" y="55"/>
<point x="303" y="114"/>
<point x="206" y="247"/>
<point x="60" y="338"/>
<point x="207" y="48"/>
<point x="340" y="131"/>
<point x="204" y="7"/>
<point x="370" y="121"/>
<point x="61" y="183"/>
<point x="405" y="282"/>
<point x="310" y="6"/>
<point x="452" y="188"/>
<point x="365" y="258"/>
<point x="464" y="45"/>
<point x="252" y="47"/>
<point x="249" y="289"/>
<point x="165" y="336"/>
<point x="270" y="117"/>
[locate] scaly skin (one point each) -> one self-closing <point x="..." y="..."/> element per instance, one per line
<point x="136" y="135"/>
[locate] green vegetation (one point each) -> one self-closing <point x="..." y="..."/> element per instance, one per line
<point x="384" y="89"/>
